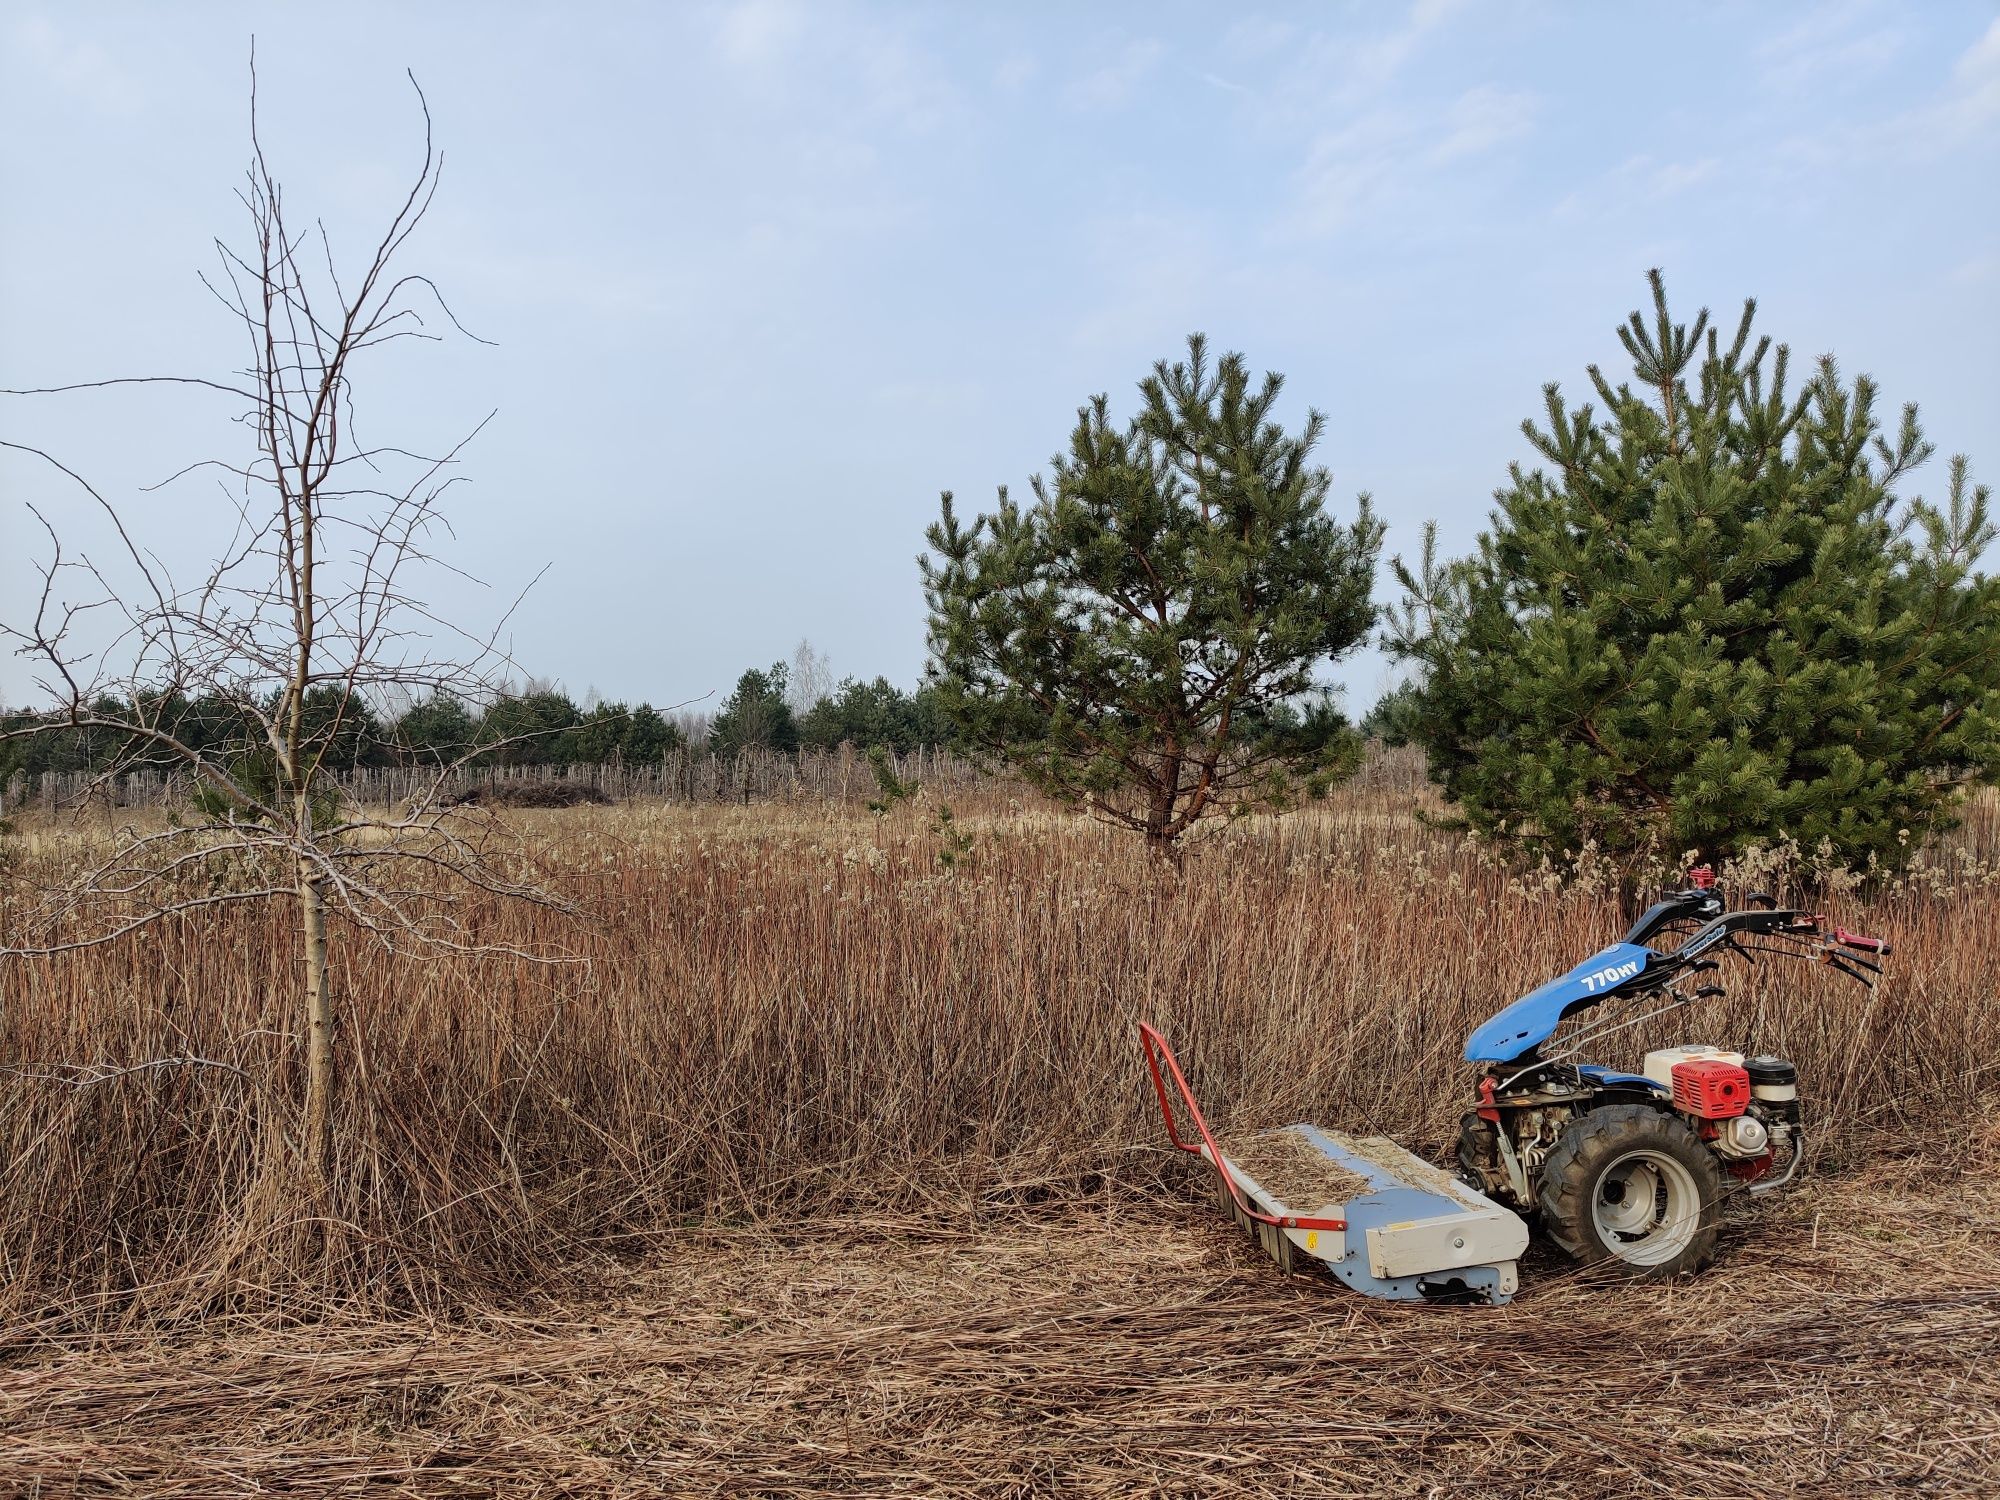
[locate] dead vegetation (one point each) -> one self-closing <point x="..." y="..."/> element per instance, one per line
<point x="1846" y="1344"/>
<point x="1286" y="1166"/>
<point x="836" y="1168"/>
<point x="539" y="794"/>
<point x="805" y="1011"/>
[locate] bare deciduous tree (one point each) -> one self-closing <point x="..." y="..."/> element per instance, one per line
<point x="256" y="681"/>
<point x="810" y="678"/>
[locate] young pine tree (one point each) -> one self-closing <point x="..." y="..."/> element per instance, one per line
<point x="755" y="716"/>
<point x="1712" y="619"/>
<point x="1141" y="638"/>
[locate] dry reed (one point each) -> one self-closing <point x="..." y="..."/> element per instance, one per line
<point x="804" y="1011"/>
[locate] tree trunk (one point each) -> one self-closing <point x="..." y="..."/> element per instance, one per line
<point x="319" y="1031"/>
<point x="1159" y="823"/>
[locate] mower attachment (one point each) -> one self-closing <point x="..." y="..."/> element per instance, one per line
<point x="1390" y="1224"/>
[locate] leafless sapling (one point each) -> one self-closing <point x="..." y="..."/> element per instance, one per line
<point x="253" y="683"/>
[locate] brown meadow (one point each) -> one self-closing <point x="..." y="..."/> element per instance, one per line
<point x="827" y="1165"/>
<point x="802" y="1009"/>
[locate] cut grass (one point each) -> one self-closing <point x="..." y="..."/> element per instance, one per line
<point x="1097" y="1349"/>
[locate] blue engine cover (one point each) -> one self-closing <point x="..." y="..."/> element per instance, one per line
<point x="1532" y="1019"/>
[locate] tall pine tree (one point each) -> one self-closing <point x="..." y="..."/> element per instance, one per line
<point x="1712" y="619"/>
<point x="756" y="716"/>
<point x="1141" y="638"/>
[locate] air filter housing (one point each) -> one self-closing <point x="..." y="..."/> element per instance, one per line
<point x="1774" y="1083"/>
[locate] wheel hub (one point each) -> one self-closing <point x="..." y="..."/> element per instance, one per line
<point x="1646" y="1208"/>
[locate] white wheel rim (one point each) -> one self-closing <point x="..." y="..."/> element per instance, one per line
<point x="1646" y="1207"/>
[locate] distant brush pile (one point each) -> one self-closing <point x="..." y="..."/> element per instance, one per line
<point x="532" y="794"/>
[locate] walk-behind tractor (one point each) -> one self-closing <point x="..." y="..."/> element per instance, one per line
<point x="1629" y="1170"/>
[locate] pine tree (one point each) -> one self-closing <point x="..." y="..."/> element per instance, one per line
<point x="437" y="729"/>
<point x="1141" y="638"/>
<point x="869" y="715"/>
<point x="1393" y="718"/>
<point x="647" y="737"/>
<point x="755" y="716"/>
<point x="595" y="737"/>
<point x="525" y="728"/>
<point x="1712" y="619"/>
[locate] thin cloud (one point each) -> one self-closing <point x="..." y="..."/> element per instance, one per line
<point x="1679" y="176"/>
<point x="1974" y="101"/>
<point x="1256" y="37"/>
<point x="1015" y="72"/>
<point x="1977" y="271"/>
<point x="1156" y="271"/>
<point x="1384" y="57"/>
<point x="1834" y="43"/>
<point x="805" y="62"/>
<point x="1344" y="169"/>
<point x="1322" y="79"/>
<point x="82" y="70"/>
<point x="1384" y="155"/>
<point x="1484" y="118"/>
<point x="1636" y="182"/>
<point x="1962" y="115"/>
<point x="759" y="33"/>
<point x="1114" y="85"/>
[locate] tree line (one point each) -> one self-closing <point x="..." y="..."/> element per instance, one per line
<point x="1710" y="615"/>
<point x="538" y="726"/>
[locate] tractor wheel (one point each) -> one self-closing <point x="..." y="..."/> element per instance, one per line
<point x="1634" y="1188"/>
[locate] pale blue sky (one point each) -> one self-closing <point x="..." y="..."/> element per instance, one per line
<point x="765" y="277"/>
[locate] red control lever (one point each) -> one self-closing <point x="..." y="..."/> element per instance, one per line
<point x="1859" y="940"/>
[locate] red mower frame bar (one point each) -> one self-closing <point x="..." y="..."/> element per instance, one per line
<point x="1157" y="1051"/>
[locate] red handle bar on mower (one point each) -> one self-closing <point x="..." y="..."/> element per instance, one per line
<point x="1158" y="1052"/>
<point x="1858" y="940"/>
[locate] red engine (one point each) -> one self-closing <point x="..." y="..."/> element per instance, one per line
<point x="1711" y="1089"/>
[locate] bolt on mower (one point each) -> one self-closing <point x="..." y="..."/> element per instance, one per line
<point x="1627" y="1170"/>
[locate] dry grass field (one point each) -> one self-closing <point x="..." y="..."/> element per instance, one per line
<point x="827" y="1163"/>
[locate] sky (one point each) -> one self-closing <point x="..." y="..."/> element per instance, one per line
<point x="761" y="279"/>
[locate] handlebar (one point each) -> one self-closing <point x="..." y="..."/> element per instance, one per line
<point x="1729" y="928"/>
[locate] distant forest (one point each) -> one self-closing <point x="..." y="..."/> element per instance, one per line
<point x="537" y="725"/>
